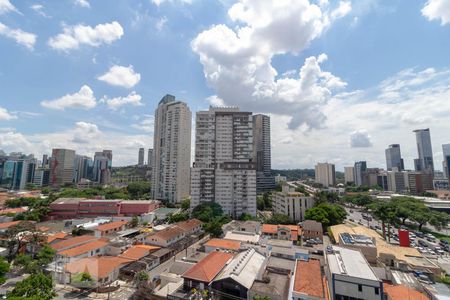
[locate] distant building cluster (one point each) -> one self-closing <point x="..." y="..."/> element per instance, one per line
<point x="64" y="167"/>
<point x="395" y="178"/>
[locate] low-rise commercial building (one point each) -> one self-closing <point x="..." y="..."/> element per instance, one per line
<point x="311" y="230"/>
<point x="291" y="203"/>
<point x="360" y="242"/>
<point x="308" y="281"/>
<point x="350" y="276"/>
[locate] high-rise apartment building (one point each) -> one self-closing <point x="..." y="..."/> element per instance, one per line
<point x="394" y="158"/>
<point x="262" y="154"/>
<point x="325" y="174"/>
<point x="291" y="203"/>
<point x="425" y="152"/>
<point x="349" y="175"/>
<point x="141" y="157"/>
<point x="360" y="170"/>
<point x="224" y="171"/>
<point x="172" y="150"/>
<point x="62" y="167"/>
<point x="150" y="158"/>
<point x="101" y="170"/>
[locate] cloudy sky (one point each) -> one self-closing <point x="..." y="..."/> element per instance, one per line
<point x="340" y="79"/>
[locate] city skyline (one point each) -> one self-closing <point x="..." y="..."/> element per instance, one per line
<point x="327" y="101"/>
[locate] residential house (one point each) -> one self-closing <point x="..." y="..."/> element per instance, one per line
<point x="221" y="244"/>
<point x="311" y="230"/>
<point x="110" y="228"/>
<point x="91" y="248"/>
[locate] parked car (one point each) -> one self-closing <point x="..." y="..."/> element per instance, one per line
<point x="419" y="234"/>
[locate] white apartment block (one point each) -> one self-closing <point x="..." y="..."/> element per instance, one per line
<point x="171" y="150"/>
<point x="224" y="170"/>
<point x="325" y="174"/>
<point x="291" y="203"/>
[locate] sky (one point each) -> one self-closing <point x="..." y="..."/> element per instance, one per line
<point x="341" y="80"/>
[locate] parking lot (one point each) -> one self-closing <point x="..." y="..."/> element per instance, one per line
<point x="426" y="244"/>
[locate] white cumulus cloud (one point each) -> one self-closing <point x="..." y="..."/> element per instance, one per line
<point x="121" y="76"/>
<point x="133" y="99"/>
<point x="437" y="10"/>
<point x="5" y="115"/>
<point x="6" y="6"/>
<point x="360" y="139"/>
<point x="21" y="37"/>
<point x="75" y="36"/>
<point x="83" y="99"/>
<point x="159" y="2"/>
<point x="237" y="61"/>
<point x="83" y="3"/>
<point x="146" y="124"/>
<point x="85" y="132"/>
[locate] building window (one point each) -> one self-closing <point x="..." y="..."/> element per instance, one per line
<point x="377" y="291"/>
<point x="359" y="287"/>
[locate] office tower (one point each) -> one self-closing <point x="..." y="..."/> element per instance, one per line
<point x="425" y="152"/>
<point x="41" y="176"/>
<point x="15" y="174"/>
<point x="325" y="174"/>
<point x="141" y="157"/>
<point x="62" y="167"/>
<point x="171" y="150"/>
<point x="446" y="161"/>
<point x="45" y="160"/>
<point x="394" y="158"/>
<point x="360" y="170"/>
<point x="82" y="165"/>
<point x="261" y="153"/>
<point x="150" y="158"/>
<point x="349" y="175"/>
<point x="224" y="171"/>
<point x="101" y="170"/>
<point x="397" y="181"/>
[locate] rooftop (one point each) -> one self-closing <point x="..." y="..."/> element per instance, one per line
<point x="8" y="224"/>
<point x="308" y="278"/>
<point x="73" y="241"/>
<point x="242" y="236"/>
<point x="356" y="239"/>
<point x="56" y="236"/>
<point x="401" y="292"/>
<point x="135" y="253"/>
<point x="189" y="224"/>
<point x="96" y="266"/>
<point x="244" y="268"/>
<point x="224" y="244"/>
<point x="278" y="285"/>
<point x="87" y="247"/>
<point x="167" y="233"/>
<point x="400" y="253"/>
<point x="312" y="225"/>
<point x="110" y="226"/>
<point x="208" y="268"/>
<point x="349" y="262"/>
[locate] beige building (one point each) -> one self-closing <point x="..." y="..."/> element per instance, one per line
<point x="62" y="167"/>
<point x="325" y="174"/>
<point x="349" y="174"/>
<point x="291" y="203"/>
<point x="171" y="150"/>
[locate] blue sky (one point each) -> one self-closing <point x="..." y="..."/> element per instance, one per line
<point x="340" y="79"/>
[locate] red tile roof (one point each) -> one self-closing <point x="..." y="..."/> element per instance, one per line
<point x="401" y="292"/>
<point x="208" y="268"/>
<point x="8" y="224"/>
<point x="112" y="225"/>
<point x="224" y="244"/>
<point x="167" y="233"/>
<point x="97" y="266"/>
<point x="269" y="228"/>
<point x="90" y="246"/>
<point x="135" y="253"/>
<point x="73" y="241"/>
<point x="56" y="236"/>
<point x="308" y="278"/>
<point x="189" y="224"/>
<point x="13" y="210"/>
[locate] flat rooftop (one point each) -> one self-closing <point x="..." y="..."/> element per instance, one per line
<point x="356" y="239"/>
<point x="349" y="262"/>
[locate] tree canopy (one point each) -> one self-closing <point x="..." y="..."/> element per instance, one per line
<point x="36" y="286"/>
<point x="207" y="211"/>
<point x="326" y="213"/>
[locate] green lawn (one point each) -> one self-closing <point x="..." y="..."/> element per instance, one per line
<point x="441" y="236"/>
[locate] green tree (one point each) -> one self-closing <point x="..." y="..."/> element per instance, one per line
<point x="134" y="222"/>
<point x="36" y="286"/>
<point x="214" y="228"/>
<point x="174" y="218"/>
<point x="207" y="211"/>
<point x="46" y="255"/>
<point x="439" y="219"/>
<point x="4" y="268"/>
<point x="186" y="204"/>
<point x="279" y="219"/>
<point x="327" y="214"/>
<point x="137" y="190"/>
